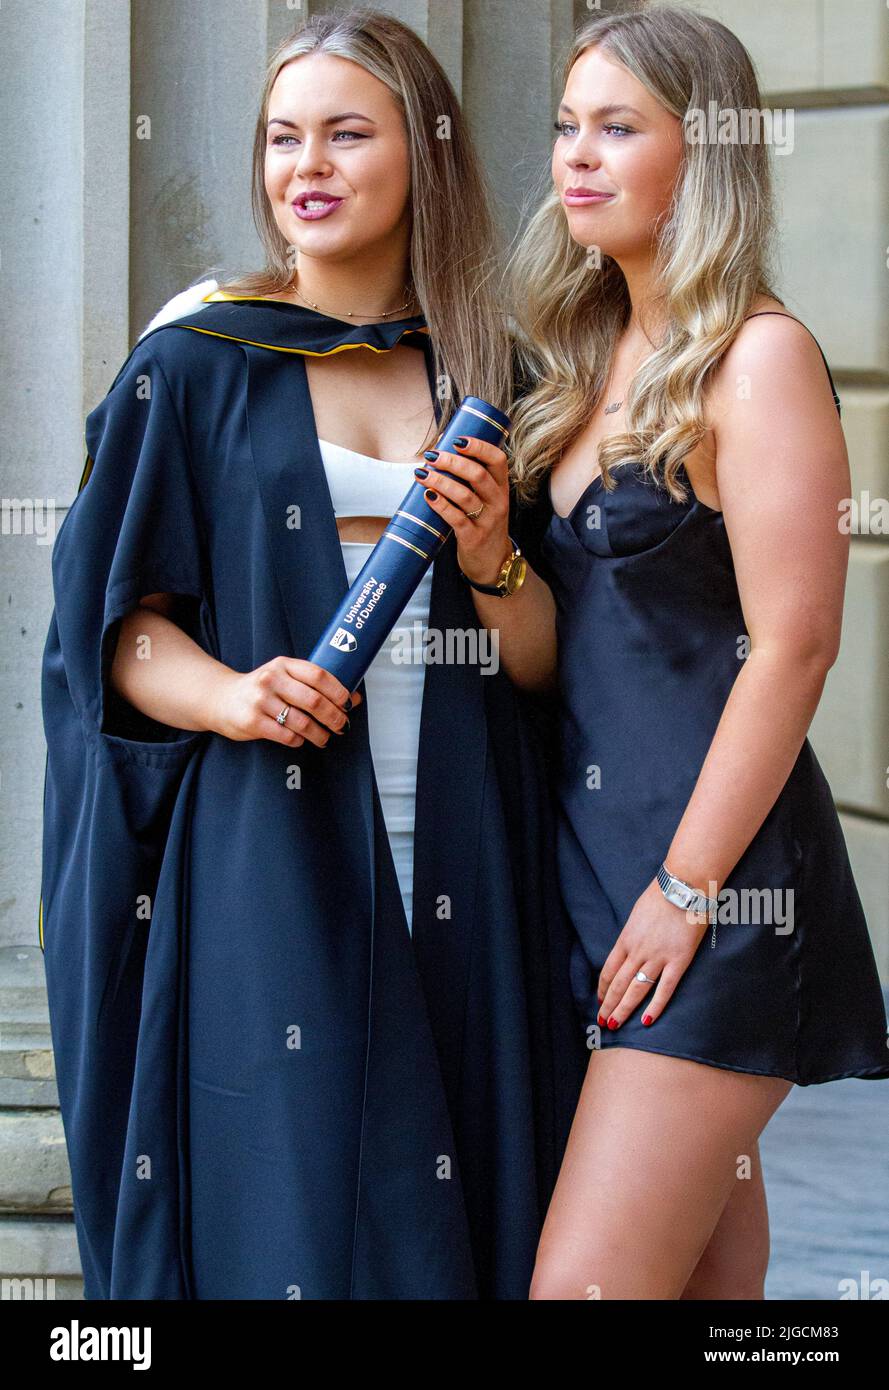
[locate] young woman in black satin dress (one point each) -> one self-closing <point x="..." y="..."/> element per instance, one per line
<point x="681" y="439"/>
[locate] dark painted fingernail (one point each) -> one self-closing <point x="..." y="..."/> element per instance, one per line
<point x="647" y="1020"/>
<point x="461" y="442"/>
<point x="431" y="455"/>
<point x="613" y="1023"/>
<point x="430" y="495"/>
<point x="422" y="472"/>
<point x="348" y="704"/>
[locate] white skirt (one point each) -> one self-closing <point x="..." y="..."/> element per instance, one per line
<point x="394" y="693"/>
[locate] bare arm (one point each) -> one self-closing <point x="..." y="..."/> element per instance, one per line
<point x="525" y="622"/>
<point x="782" y="470"/>
<point x="162" y="672"/>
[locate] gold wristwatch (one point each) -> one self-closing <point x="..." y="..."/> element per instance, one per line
<point x="510" y="578"/>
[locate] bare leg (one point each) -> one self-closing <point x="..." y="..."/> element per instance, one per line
<point x="736" y="1257"/>
<point x="651" y="1162"/>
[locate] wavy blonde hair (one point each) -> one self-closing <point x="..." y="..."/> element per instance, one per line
<point x="710" y="265"/>
<point x="454" y="251"/>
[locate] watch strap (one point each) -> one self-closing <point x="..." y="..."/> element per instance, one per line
<point x="498" y="590"/>
<point x="681" y="894"/>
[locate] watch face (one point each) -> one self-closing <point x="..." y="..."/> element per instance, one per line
<point x="515" y="573"/>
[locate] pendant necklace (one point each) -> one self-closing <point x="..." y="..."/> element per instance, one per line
<point x="616" y="405"/>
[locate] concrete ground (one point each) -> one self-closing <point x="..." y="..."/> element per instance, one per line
<point x="825" y="1157"/>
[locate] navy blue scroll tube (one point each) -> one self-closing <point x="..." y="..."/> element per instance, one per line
<point x="398" y="561"/>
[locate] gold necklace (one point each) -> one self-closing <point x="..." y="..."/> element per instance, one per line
<point x="349" y="313"/>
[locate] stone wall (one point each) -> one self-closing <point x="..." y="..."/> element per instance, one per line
<point x="126" y="170"/>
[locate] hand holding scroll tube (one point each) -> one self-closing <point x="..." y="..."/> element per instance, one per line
<point x="413" y="538"/>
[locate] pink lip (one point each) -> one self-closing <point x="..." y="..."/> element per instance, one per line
<point x="580" y="197"/>
<point x="314" y="214"/>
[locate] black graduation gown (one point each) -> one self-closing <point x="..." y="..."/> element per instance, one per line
<point x="269" y="1090"/>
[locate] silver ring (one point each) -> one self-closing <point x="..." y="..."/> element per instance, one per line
<point x="282" y="717"/>
<point x="641" y="975"/>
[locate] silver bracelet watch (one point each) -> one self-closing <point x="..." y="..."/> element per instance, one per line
<point x="677" y="891"/>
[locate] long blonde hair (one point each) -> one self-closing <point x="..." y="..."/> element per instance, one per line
<point x="453" y="247"/>
<point x="710" y="265"/>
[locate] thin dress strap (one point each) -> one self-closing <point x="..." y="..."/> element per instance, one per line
<point x="780" y="315"/>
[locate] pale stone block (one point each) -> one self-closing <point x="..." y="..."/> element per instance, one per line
<point x="34" y="1171"/>
<point x="105" y="215"/>
<point x="26" y="1059"/>
<point x="511" y="119"/>
<point x="26" y="584"/>
<point x="866" y="427"/>
<point x="833" y="271"/>
<point x="196" y="73"/>
<point x="41" y="114"/>
<point x="39" y="1247"/>
<point x="838" y="48"/>
<point x="868" y="845"/>
<point x="784" y="41"/>
<point x="850" y="731"/>
<point x="855" y="37"/>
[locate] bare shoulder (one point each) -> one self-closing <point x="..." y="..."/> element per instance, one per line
<point x="773" y="361"/>
<point x="775" y="427"/>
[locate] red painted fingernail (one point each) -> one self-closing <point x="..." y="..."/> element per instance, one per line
<point x="601" y="1021"/>
<point x="613" y="1023"/>
<point x="647" y="1019"/>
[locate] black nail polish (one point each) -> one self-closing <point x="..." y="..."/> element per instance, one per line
<point x="461" y="442"/>
<point x="430" y="495"/>
<point x="422" y="472"/>
<point x="348" y="704"/>
<point x="431" y="455"/>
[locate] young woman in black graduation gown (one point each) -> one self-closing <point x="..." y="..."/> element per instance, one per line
<point x="680" y="440"/>
<point x="270" y="1089"/>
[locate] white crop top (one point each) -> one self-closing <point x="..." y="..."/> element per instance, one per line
<point x="364" y="486"/>
<point x="361" y="485"/>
